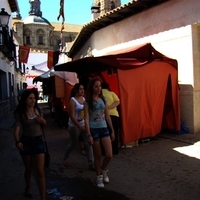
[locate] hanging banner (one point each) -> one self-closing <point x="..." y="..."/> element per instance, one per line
<point x="50" y="59"/>
<point x="23" y="54"/>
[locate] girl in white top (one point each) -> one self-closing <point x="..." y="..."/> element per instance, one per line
<point x="79" y="113"/>
<point x="77" y="125"/>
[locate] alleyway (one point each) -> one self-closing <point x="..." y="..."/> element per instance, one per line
<point x="155" y="170"/>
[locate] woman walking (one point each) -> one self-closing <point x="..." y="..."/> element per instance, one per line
<point x="112" y="101"/>
<point x="96" y="116"/>
<point x="29" y="120"/>
<point x="76" y="124"/>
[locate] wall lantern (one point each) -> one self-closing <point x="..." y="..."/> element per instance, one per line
<point x="27" y="70"/>
<point x="95" y="9"/>
<point x="4" y="18"/>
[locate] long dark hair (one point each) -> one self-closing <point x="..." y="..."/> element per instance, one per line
<point x="75" y="89"/>
<point x="89" y="93"/>
<point x="105" y="85"/>
<point x="21" y="107"/>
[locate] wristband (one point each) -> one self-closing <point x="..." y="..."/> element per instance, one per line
<point x="16" y="143"/>
<point x="89" y="135"/>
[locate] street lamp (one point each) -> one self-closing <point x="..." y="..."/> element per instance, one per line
<point x="4" y="18"/>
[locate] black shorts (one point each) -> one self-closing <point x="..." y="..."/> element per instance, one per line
<point x="32" y="145"/>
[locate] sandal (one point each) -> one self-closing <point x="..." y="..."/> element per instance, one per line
<point x="65" y="163"/>
<point x="28" y="195"/>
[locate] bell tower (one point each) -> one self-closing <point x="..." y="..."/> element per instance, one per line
<point x="35" y="8"/>
<point x="100" y="7"/>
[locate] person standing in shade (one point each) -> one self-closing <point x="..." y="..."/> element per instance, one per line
<point x="96" y="116"/>
<point x="24" y="87"/>
<point x="112" y="101"/>
<point x="29" y="121"/>
<point x="77" y="125"/>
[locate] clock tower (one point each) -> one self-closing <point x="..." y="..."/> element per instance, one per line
<point x="100" y="7"/>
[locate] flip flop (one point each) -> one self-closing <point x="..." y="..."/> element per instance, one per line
<point x="83" y="152"/>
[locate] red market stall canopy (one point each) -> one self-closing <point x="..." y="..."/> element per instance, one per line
<point x="147" y="84"/>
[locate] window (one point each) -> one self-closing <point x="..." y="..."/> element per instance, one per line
<point x="28" y="40"/>
<point x="1" y="37"/>
<point x="40" y="39"/>
<point x="99" y="9"/>
<point x="3" y="86"/>
<point x="40" y="36"/>
<point x="112" y="5"/>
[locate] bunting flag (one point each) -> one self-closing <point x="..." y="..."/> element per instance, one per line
<point x="61" y="14"/>
<point x="23" y="54"/>
<point x="61" y="11"/>
<point x="52" y="59"/>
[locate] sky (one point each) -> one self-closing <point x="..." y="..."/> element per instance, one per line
<point x="76" y="11"/>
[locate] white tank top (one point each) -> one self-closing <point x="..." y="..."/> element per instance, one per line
<point x="79" y="113"/>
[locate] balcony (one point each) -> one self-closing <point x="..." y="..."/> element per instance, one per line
<point x="7" y="46"/>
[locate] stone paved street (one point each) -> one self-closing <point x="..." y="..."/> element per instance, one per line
<point x="166" y="168"/>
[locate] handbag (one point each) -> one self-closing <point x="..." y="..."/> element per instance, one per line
<point x="47" y="155"/>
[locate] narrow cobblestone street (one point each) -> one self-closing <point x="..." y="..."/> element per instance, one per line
<point x="165" y="168"/>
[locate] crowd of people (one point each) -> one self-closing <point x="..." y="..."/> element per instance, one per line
<point x="93" y="121"/>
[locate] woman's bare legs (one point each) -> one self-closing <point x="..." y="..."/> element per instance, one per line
<point x="106" y="143"/>
<point x="39" y="165"/>
<point x="27" y="160"/>
<point x="97" y="157"/>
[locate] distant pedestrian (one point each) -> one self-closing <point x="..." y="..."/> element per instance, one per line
<point x="58" y="111"/>
<point x="24" y="87"/>
<point x="29" y="121"/>
<point x="77" y="125"/>
<point x="96" y="115"/>
<point x="112" y="101"/>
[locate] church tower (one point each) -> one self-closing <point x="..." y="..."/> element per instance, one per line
<point x="100" y="7"/>
<point x="35" y="8"/>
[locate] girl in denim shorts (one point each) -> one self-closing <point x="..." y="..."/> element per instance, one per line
<point x="96" y="116"/>
<point x="29" y="120"/>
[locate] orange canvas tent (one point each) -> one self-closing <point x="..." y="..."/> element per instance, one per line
<point x="146" y="82"/>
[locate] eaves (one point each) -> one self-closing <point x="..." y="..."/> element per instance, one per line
<point x="14" y="5"/>
<point x="132" y="8"/>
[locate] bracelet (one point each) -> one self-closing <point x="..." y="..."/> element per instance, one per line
<point x="89" y="135"/>
<point x="16" y="143"/>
